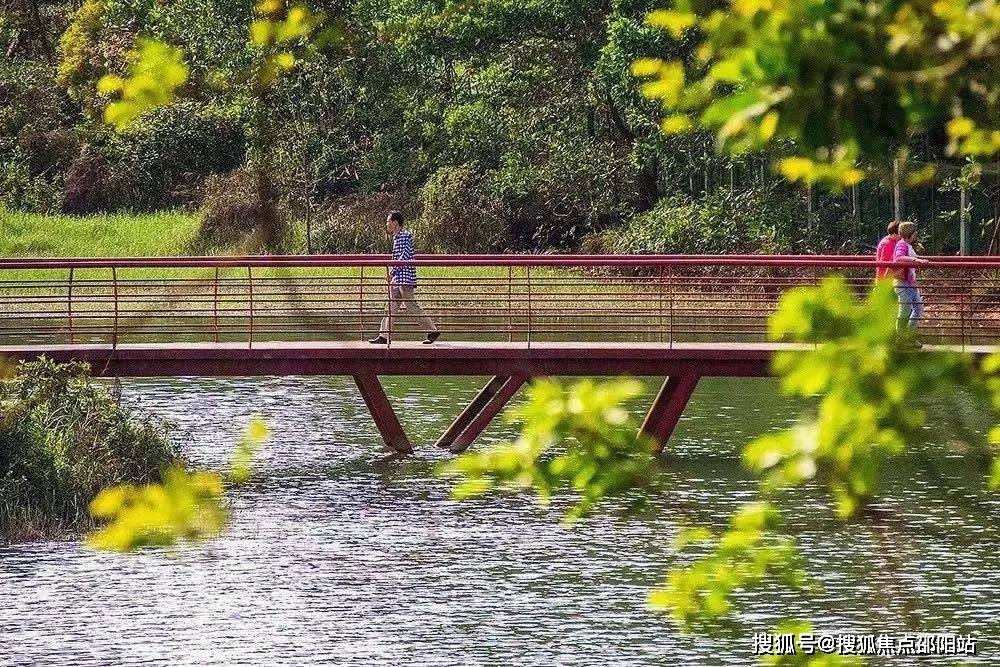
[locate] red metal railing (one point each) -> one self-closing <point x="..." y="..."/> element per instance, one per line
<point x="517" y="298"/>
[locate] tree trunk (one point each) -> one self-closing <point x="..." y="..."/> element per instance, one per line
<point x="963" y="222"/>
<point x="897" y="194"/>
<point x="32" y="7"/>
<point x="648" y="185"/>
<point x="995" y="241"/>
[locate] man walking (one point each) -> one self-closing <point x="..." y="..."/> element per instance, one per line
<point x="402" y="282"/>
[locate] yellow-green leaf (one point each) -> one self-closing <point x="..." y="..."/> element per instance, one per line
<point x="261" y="32"/>
<point x="959" y="127"/>
<point x="674" y="21"/>
<point x="646" y="67"/>
<point x="768" y="126"/>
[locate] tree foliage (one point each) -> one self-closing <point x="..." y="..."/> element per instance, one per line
<point x="598" y="454"/>
<point x="156" y="70"/>
<point x="536" y="98"/>
<point x="184" y="506"/>
<point x="870" y="382"/>
<point x="829" y="83"/>
<point x="539" y="97"/>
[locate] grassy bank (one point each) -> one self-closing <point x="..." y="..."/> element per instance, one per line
<point x="117" y="235"/>
<point x="63" y="438"/>
<point x="164" y="234"/>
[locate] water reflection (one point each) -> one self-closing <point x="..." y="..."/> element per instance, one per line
<point x="332" y="558"/>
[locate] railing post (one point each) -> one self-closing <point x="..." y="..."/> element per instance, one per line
<point x="815" y="283"/>
<point x="388" y="304"/>
<point x="527" y="270"/>
<point x="966" y="303"/>
<point x="361" y="305"/>
<point x="69" y="305"/>
<point x="215" y="306"/>
<point x="660" y="291"/>
<point x="510" y="302"/>
<point x="250" y="286"/>
<point x="114" y="287"/>
<point x="670" y="303"/>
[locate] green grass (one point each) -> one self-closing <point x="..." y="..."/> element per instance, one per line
<point x="113" y="235"/>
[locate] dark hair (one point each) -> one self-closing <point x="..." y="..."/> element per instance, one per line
<point x="396" y="216"/>
<point x="893" y="227"/>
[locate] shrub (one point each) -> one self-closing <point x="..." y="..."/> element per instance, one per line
<point x="162" y="159"/>
<point x="62" y="439"/>
<point x="568" y="190"/>
<point x="89" y="185"/>
<point x="21" y="191"/>
<point x="35" y="148"/>
<point x="188" y="192"/>
<point x="356" y="223"/>
<point x="756" y="220"/>
<point x="234" y="210"/>
<point x="461" y="213"/>
<point x="48" y="151"/>
<point x="31" y="99"/>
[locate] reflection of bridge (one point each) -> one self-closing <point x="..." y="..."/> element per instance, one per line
<point x="510" y="317"/>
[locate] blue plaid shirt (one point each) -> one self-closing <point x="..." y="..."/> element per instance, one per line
<point x="402" y="250"/>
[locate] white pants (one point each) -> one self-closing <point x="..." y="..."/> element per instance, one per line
<point x="400" y="294"/>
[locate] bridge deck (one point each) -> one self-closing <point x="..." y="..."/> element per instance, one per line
<point x="142" y="316"/>
<point x="413" y="358"/>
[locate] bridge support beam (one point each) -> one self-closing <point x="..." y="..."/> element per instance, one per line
<point x="666" y="410"/>
<point x="474" y="407"/>
<point x="382" y="413"/>
<point x="490" y="409"/>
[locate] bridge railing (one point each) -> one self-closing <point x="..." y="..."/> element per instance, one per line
<point x="502" y="298"/>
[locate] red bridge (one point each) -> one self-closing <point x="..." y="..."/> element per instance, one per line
<point x="510" y="317"/>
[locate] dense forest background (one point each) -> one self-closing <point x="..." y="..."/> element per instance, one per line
<point x="496" y="125"/>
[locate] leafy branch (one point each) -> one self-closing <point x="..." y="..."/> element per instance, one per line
<point x="580" y="438"/>
<point x="184" y="507"/>
<point x="827" y="84"/>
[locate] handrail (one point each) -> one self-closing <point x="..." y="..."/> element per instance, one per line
<point x="333" y="261"/>
<point x="522" y="299"/>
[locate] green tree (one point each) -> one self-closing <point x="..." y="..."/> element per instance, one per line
<point x="830" y="85"/>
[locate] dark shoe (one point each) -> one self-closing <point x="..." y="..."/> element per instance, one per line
<point x="431" y="337"/>
<point x="378" y="340"/>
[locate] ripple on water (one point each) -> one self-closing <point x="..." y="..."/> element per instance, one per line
<point x="333" y="557"/>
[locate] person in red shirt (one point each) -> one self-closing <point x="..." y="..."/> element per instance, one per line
<point x="886" y="250"/>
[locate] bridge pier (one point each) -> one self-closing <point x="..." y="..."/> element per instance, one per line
<point x="489" y="411"/>
<point x="382" y="413"/>
<point x="474" y="407"/>
<point x="469" y="424"/>
<point x="667" y="408"/>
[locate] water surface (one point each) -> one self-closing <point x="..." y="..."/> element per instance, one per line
<point x="334" y="557"/>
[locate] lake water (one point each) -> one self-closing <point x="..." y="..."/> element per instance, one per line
<point x="336" y="557"/>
